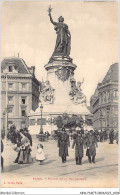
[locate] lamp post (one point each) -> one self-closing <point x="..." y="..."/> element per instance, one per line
<point x="41" y="110"/>
<point x="101" y="118"/>
<point x="26" y="120"/>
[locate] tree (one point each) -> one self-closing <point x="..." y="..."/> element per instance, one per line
<point x="69" y="122"/>
<point x="65" y="120"/>
<point x="79" y="121"/>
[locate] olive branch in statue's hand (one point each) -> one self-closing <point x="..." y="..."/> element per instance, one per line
<point x="49" y="10"/>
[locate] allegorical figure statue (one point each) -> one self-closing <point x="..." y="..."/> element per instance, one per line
<point x="63" y="41"/>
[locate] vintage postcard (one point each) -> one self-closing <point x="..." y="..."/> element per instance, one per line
<point x="59" y="94"/>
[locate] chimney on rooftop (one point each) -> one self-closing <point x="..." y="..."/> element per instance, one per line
<point x="32" y="70"/>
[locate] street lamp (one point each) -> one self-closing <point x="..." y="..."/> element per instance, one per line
<point x="101" y="118"/>
<point x="41" y="110"/>
<point x="24" y="124"/>
<point x="4" y="120"/>
<point x="7" y="111"/>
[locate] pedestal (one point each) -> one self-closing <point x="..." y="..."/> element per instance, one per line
<point x="60" y="93"/>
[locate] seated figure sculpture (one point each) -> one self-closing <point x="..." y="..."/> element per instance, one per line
<point x="76" y="92"/>
<point x="47" y="93"/>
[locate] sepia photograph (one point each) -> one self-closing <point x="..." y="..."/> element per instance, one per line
<point x="59" y="94"/>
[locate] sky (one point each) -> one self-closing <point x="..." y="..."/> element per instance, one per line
<point x="26" y="29"/>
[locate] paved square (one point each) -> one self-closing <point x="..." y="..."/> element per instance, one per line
<point x="53" y="173"/>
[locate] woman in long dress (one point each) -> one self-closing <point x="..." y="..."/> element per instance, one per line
<point x="25" y="150"/>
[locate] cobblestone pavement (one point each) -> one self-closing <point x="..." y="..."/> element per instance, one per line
<point x="104" y="173"/>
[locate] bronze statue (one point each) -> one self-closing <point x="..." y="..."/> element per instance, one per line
<point x="63" y="40"/>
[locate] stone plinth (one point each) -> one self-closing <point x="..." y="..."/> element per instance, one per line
<point x="55" y="93"/>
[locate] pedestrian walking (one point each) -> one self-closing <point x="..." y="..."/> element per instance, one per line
<point x="96" y="133"/>
<point x="101" y="136"/>
<point x="91" y="144"/>
<point x="111" y="136"/>
<point x="16" y="148"/>
<point x="78" y="143"/>
<point x="117" y="137"/>
<point x="25" y="150"/>
<point x="27" y="134"/>
<point x="105" y="135"/>
<point x="63" y="144"/>
<point x="2" y="147"/>
<point x="40" y="153"/>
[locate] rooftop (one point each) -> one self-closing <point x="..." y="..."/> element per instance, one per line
<point x="18" y="63"/>
<point x="112" y="74"/>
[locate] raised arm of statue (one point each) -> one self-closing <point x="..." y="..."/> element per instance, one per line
<point x="54" y="23"/>
<point x="49" y="14"/>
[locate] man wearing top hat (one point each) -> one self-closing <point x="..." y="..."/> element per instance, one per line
<point x="78" y="143"/>
<point x="63" y="144"/>
<point x="91" y="144"/>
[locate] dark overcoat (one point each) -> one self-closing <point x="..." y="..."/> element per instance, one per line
<point x="78" y="143"/>
<point x="1" y="154"/>
<point x="1" y="146"/>
<point x="111" y="136"/>
<point x="63" y="144"/>
<point x="91" y="143"/>
<point x="101" y="136"/>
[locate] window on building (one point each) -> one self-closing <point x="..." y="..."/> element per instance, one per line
<point x="115" y="111"/>
<point x="108" y="95"/>
<point x="115" y="93"/>
<point x="23" y="100"/>
<point x="10" y="98"/>
<point x="23" y="85"/>
<point x="23" y="111"/>
<point x="105" y="97"/>
<point x="10" y="110"/>
<point x="101" y="98"/>
<point x="10" y="85"/>
<point x="103" y="94"/>
<point x="23" y="124"/>
<point x="10" y="122"/>
<point x="10" y="68"/>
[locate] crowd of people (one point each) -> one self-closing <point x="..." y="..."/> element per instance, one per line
<point x="84" y="140"/>
<point x="22" y="144"/>
<point x="80" y="141"/>
<point x="104" y="135"/>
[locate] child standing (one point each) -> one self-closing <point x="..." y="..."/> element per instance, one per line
<point x="40" y="153"/>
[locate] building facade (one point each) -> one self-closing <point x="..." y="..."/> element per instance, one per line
<point x="20" y="91"/>
<point x="104" y="102"/>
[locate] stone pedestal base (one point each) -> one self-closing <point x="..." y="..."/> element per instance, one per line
<point x="60" y="72"/>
